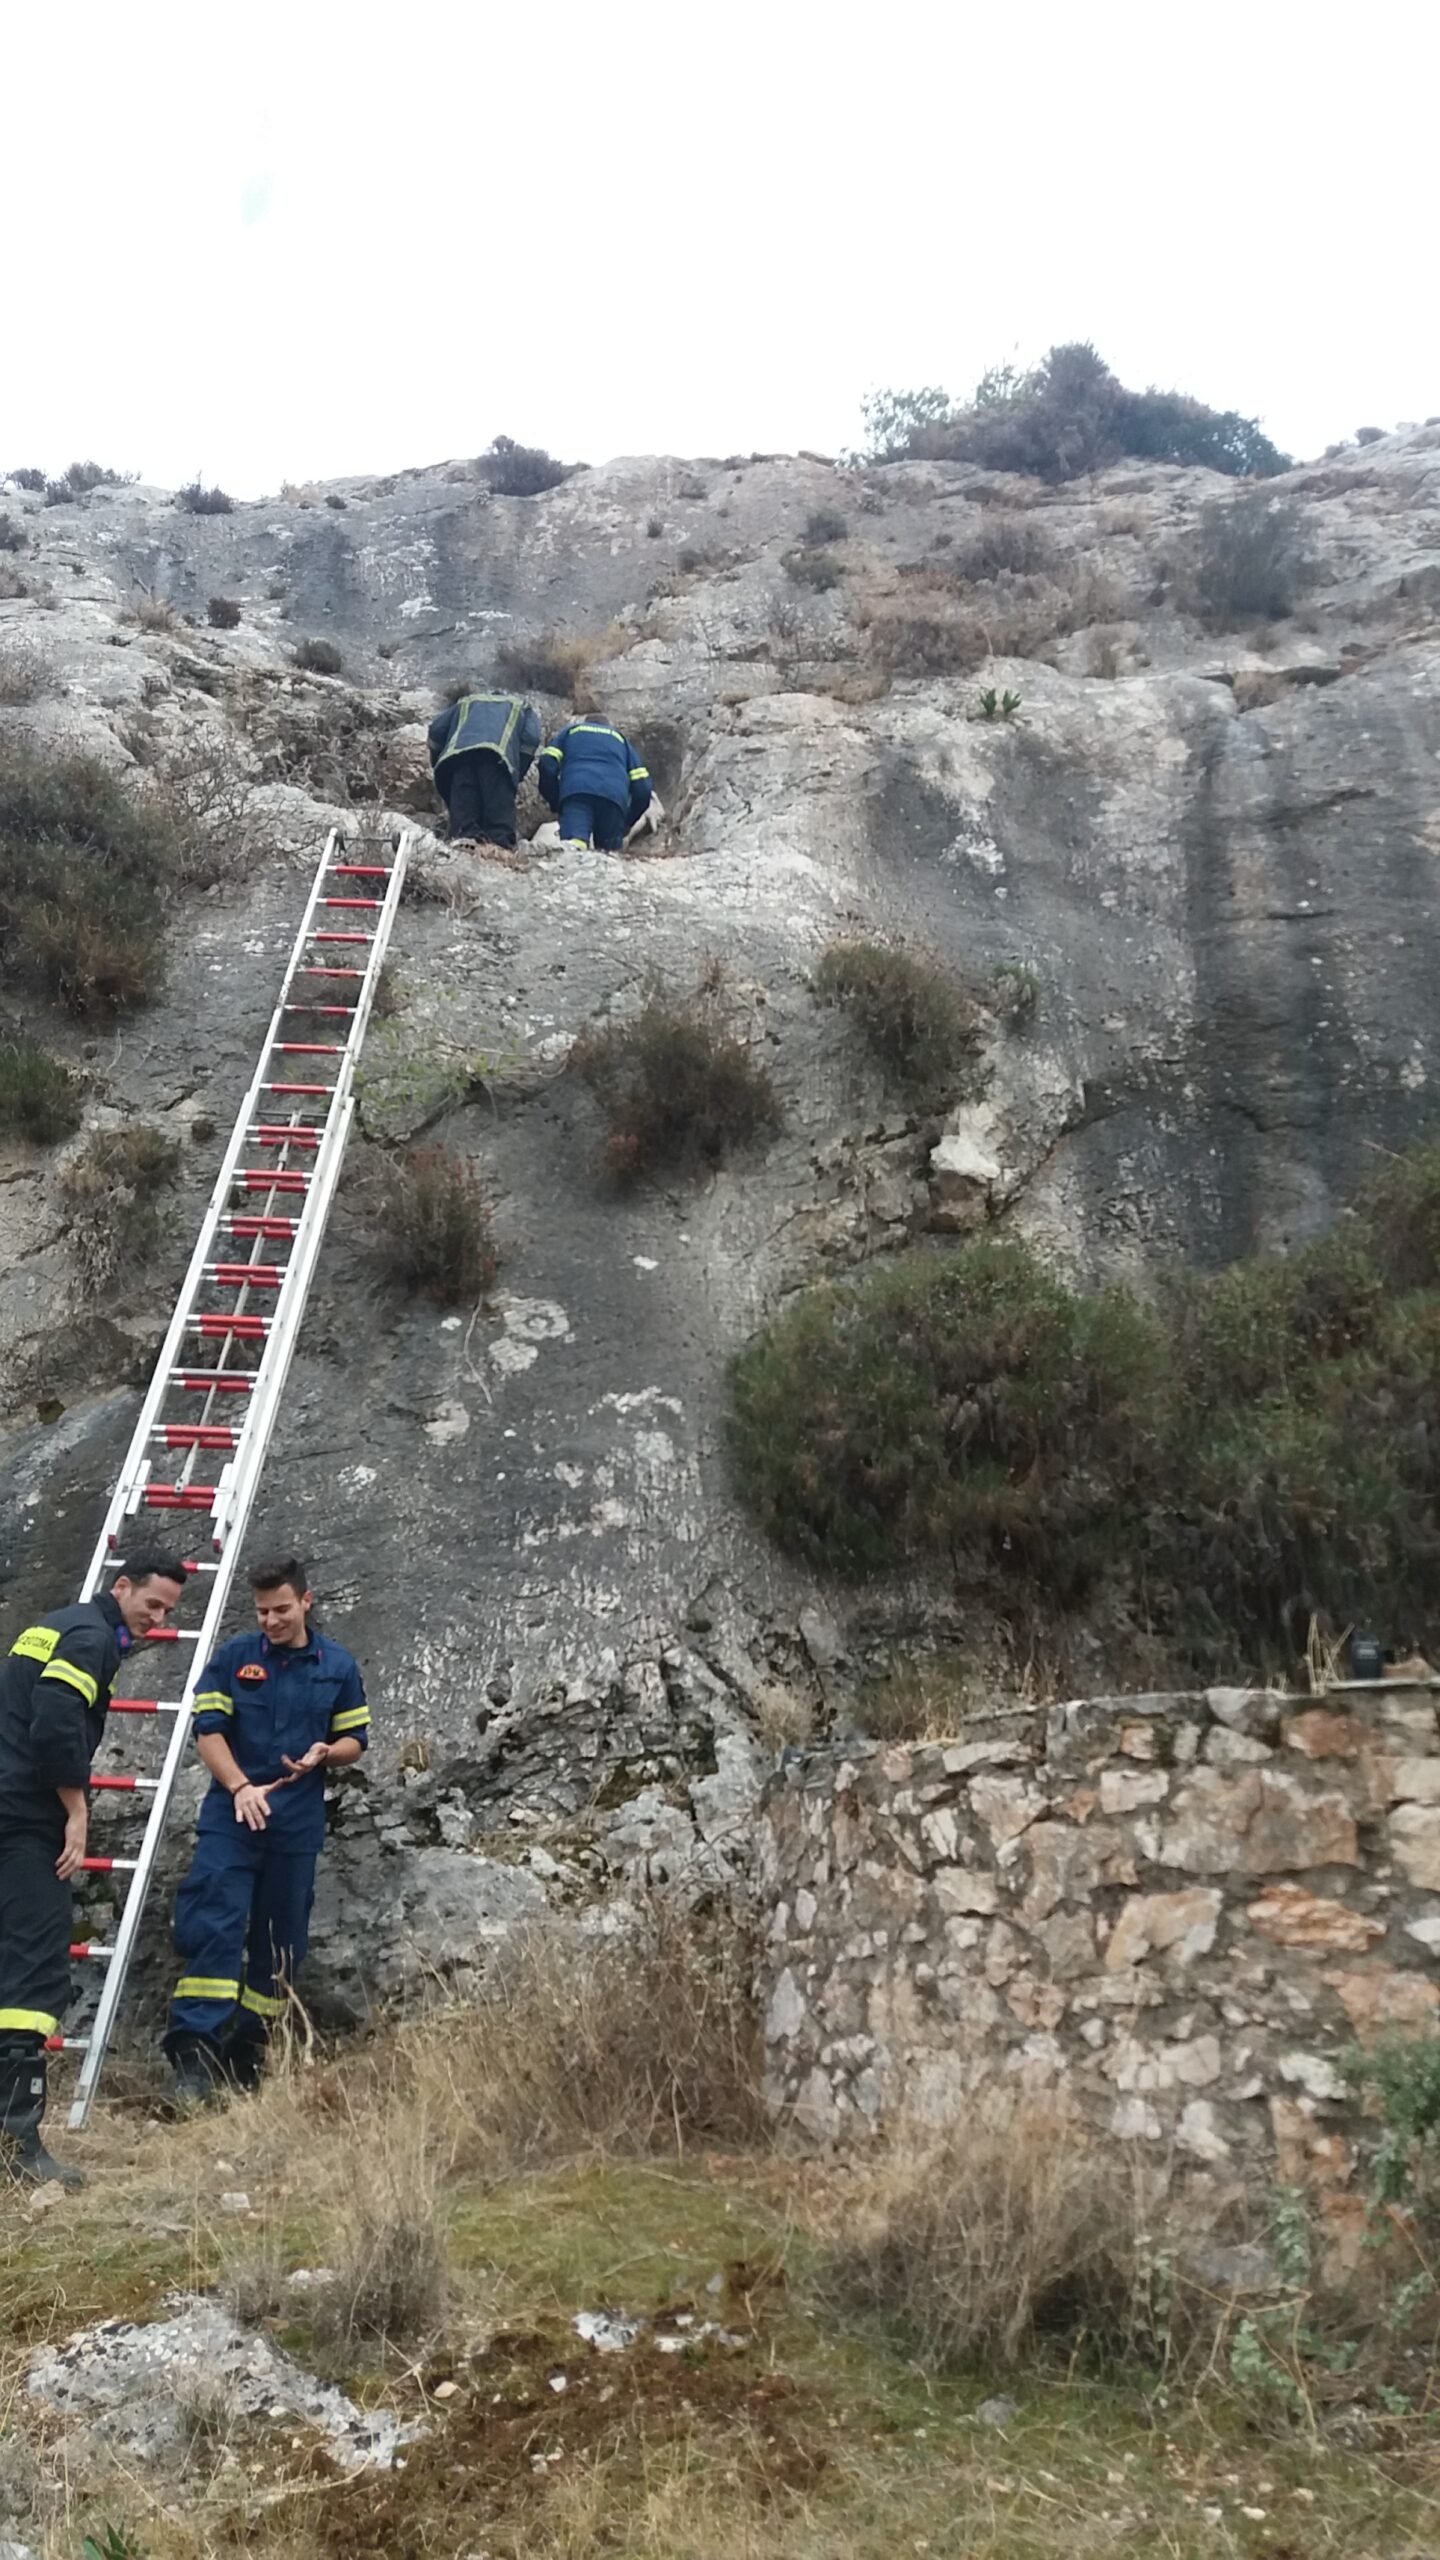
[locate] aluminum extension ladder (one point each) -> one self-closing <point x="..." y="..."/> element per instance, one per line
<point x="234" y="1331"/>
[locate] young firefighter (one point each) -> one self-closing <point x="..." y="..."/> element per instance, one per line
<point x="55" y="1685"/>
<point x="273" y="1712"/>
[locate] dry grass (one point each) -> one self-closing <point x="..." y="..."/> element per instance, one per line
<point x="431" y="1231"/>
<point x="997" y="2234"/>
<point x="914" y="1015"/>
<point x="949" y="619"/>
<point x="154" y="614"/>
<point x="25" y="674"/>
<point x="110" y="1193"/>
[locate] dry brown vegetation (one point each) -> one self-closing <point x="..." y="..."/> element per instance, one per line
<point x="942" y="621"/>
<point x="111" y="1196"/>
<point x="678" y="1087"/>
<point x="430" y="1224"/>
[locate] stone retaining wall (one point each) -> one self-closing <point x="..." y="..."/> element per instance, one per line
<point x="1182" y="1909"/>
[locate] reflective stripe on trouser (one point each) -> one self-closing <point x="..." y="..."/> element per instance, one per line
<point x="586" y="820"/>
<point x="242" y="1924"/>
<point x="35" y="1935"/>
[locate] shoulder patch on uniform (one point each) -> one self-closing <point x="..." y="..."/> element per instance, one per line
<point x="250" y="1671"/>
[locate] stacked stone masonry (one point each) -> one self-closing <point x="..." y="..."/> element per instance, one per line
<point x="1181" y="1911"/>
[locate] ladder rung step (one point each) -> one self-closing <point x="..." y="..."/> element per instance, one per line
<point x="178" y="1497"/>
<point x="177" y="1635"/>
<point x="91" y="1948"/>
<point x="245" y="1275"/>
<point x="297" y="1088"/>
<point x="284" y="1178"/>
<point x="144" y="1706"/>
<point x="204" y="1382"/>
<point x="352" y="902"/>
<point x="127" y="1786"/>
<point x="335" y="933"/>
<point x="109" y="1866"/>
<point x="197" y="1435"/>
<point x="360" y="870"/>
<point x="250" y="1328"/>
<point x="67" y="2044"/>
<point x="310" y="1048"/>
<point x="307" y="1004"/>
<point x="275" y="1229"/>
<point x="321" y="969"/>
<point x="273" y="1133"/>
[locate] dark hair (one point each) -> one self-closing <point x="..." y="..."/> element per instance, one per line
<point x="150" y="1564"/>
<point x="268" y="1572"/>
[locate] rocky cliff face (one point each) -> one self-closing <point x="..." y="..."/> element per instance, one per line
<point x="1216" y="852"/>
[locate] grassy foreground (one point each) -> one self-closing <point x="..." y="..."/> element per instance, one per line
<point x="458" y="2266"/>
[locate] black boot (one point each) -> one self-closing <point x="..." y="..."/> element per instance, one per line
<point x="198" y="2072"/>
<point x="23" y="2155"/>
<point x="244" y="2062"/>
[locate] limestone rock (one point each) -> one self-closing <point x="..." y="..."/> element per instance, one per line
<point x="1382" y="1997"/>
<point x="1414" y="1831"/>
<point x="1180" y="1925"/>
<point x="1292" y="1917"/>
<point x="1322" y="1734"/>
<point x="1256" y="1824"/>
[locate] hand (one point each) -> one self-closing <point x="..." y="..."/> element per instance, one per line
<point x="317" y="1757"/>
<point x="76" y="1828"/>
<point x="252" y="1806"/>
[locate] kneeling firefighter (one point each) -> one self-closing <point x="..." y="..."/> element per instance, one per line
<point x="482" y="745"/>
<point x="591" y="775"/>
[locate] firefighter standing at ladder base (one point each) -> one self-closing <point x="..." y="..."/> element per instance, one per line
<point x="273" y="1712"/>
<point x="55" y="1685"/>
<point x="482" y="745"/>
<point x="594" y="779"/>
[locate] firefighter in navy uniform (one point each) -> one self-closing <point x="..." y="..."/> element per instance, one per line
<point x="55" y="1685"/>
<point x="482" y="745"/>
<point x="273" y="1711"/>
<point x="592" y="778"/>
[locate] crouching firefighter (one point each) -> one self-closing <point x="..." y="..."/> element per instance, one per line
<point x="591" y="776"/>
<point x="482" y="745"/>
<point x="273" y="1712"/>
<point x="55" y="1685"/>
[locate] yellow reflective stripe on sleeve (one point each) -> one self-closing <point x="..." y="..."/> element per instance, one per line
<point x="639" y="773"/>
<point x="37" y="1643"/>
<point x="56" y="1669"/>
<point x="557" y="753"/>
<point x="27" y="2022"/>
<point x="260" y="2004"/>
<point x="205" y="1986"/>
<point x="349" y="1720"/>
<point x="213" y="1702"/>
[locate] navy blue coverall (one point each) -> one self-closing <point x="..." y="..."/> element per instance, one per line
<point x="594" y="778"/>
<point x="481" y="749"/>
<point x="242" y="1915"/>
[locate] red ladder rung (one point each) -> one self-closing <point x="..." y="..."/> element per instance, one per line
<point x="297" y="1088"/>
<point x="274" y="1229"/>
<point x="270" y="1133"/>
<point x="197" y="1435"/>
<point x="337" y="933"/>
<point x="144" y="1707"/>
<point x="318" y="969"/>
<point x="88" y="1947"/>
<point x="178" y="1497"/>
<point x="352" y="902"/>
<point x="108" y="1866"/>
<point x="250" y="1328"/>
<point x="245" y="1275"/>
<point x="310" y="1048"/>
<point x="127" y="1786"/>
<point x="360" y="870"/>
<point x="175" y="1635"/>
<point x="284" y="1178"/>
<point x="204" y="1382"/>
<point x="306" y="1004"/>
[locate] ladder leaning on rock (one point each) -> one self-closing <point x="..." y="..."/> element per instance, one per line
<point x="220" y="1376"/>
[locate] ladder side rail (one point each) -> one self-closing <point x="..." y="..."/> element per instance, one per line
<point x="219" y="1198"/>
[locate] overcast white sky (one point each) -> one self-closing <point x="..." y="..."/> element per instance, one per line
<point x="272" y="243"/>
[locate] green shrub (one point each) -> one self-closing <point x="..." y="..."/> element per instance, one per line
<point x="31" y="479"/>
<point x="196" y="500"/>
<point x="13" y="536"/>
<point x="678" y="1090"/>
<point x="39" y="1097"/>
<point x="1402" y="2073"/>
<point x="77" y="481"/>
<point x="549" y="662"/>
<point x="920" y="1023"/>
<point x="223" y="613"/>
<point x="1250" y="559"/>
<point x="894" y="419"/>
<point x="1071" y="415"/>
<point x="825" y="524"/>
<point x="521" y="470"/>
<point x="959" y="1404"/>
<point x="995" y="705"/>
<point x="1006" y="543"/>
<point x="1261" y="1448"/>
<point x="431" y="1222"/>
<point x="24" y="673"/>
<point x="815" y="569"/>
<point x="317" y="658"/>
<point x="88" y="869"/>
<point x="111" y="1198"/>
